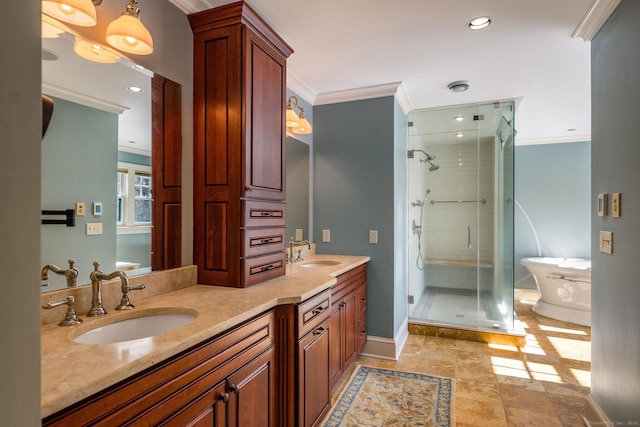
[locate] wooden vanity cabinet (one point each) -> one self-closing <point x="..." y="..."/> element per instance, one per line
<point x="347" y="325"/>
<point x="239" y="147"/>
<point x="228" y="380"/>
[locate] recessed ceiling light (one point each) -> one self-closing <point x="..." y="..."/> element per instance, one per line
<point x="134" y="89"/>
<point x="459" y="134"/>
<point x="458" y="118"/>
<point x="458" y="86"/>
<point x="571" y="130"/>
<point x="131" y="142"/>
<point x="138" y="67"/>
<point x="479" y="23"/>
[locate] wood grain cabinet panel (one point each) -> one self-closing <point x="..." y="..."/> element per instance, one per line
<point x="239" y="140"/>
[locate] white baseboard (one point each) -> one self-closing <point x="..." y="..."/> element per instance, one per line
<point x="594" y="415"/>
<point x="387" y="348"/>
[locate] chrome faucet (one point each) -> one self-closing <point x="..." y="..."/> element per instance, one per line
<point x="292" y="243"/>
<point x="97" y="277"/>
<point x="71" y="273"/>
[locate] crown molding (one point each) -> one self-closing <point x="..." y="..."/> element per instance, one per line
<point x="377" y="91"/>
<point x="594" y="19"/>
<point x="82" y="99"/>
<point x="553" y="140"/>
<point x="300" y="88"/>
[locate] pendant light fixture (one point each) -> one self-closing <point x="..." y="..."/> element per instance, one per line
<point x="76" y="12"/>
<point x="128" y="34"/>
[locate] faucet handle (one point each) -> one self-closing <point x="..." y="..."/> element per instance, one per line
<point x="125" y="303"/>
<point x="96" y="265"/>
<point x="70" y="318"/>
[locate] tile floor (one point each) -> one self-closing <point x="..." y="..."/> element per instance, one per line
<point x="544" y="384"/>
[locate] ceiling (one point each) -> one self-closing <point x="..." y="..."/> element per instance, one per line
<point x="356" y="49"/>
<point x="527" y="55"/>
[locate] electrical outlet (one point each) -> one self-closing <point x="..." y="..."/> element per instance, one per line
<point x="326" y="236"/>
<point x="606" y="242"/>
<point x="94" y="228"/>
<point x="373" y="237"/>
<point x="80" y="208"/>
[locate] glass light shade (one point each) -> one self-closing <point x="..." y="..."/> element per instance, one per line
<point x="304" y="127"/>
<point x="93" y="52"/>
<point x="76" y="12"/>
<point x="292" y="118"/>
<point x="49" y="31"/>
<point x="128" y="34"/>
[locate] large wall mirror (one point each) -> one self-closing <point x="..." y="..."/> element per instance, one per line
<point x="97" y="151"/>
<point x="298" y="185"/>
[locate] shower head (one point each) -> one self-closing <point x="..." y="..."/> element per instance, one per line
<point x="411" y="152"/>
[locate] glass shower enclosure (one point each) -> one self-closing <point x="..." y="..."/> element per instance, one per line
<point x="460" y="239"/>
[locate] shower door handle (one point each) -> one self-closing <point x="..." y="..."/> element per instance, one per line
<point x="468" y="236"/>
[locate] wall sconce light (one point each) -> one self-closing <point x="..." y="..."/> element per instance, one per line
<point x="298" y="123"/>
<point x="93" y="52"/>
<point x="126" y="33"/>
<point x="76" y="12"/>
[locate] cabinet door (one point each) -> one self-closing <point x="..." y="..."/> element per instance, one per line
<point x="313" y="372"/>
<point x="264" y="148"/>
<point x="351" y="335"/>
<point x="335" y="343"/>
<point x="209" y="410"/>
<point x="252" y="393"/>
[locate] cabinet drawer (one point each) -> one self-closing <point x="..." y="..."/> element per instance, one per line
<point x="258" y="241"/>
<point x="263" y="214"/>
<point x="361" y="300"/>
<point x="312" y="312"/>
<point x="258" y="269"/>
<point x="362" y="334"/>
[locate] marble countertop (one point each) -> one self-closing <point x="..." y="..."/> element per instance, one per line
<point x="72" y="371"/>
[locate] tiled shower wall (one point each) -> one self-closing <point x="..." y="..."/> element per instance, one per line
<point x="466" y="174"/>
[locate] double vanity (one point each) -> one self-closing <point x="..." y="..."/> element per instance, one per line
<point x="195" y="355"/>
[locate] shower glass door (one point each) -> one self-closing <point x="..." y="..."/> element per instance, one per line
<point x="460" y="243"/>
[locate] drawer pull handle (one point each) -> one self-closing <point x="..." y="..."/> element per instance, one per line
<point x="248" y="188"/>
<point x="318" y="310"/>
<point x="363" y="333"/>
<point x="233" y="388"/>
<point x="223" y="397"/>
<point x="267" y="240"/>
<point x="268" y="267"/>
<point x="318" y="331"/>
<point x="266" y="213"/>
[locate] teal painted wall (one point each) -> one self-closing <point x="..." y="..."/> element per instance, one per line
<point x="79" y="163"/>
<point x="354" y="192"/>
<point x="552" y="204"/>
<point x="400" y="217"/>
<point x="615" y="167"/>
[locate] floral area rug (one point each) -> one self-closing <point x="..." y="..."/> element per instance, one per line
<point x="384" y="397"/>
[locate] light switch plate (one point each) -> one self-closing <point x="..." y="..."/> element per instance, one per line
<point x="80" y="208"/>
<point x="616" y="207"/>
<point x="606" y="242"/>
<point x="603" y="198"/>
<point x="299" y="232"/>
<point x="326" y="236"/>
<point x="373" y="237"/>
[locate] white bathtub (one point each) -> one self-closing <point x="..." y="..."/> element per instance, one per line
<point x="564" y="285"/>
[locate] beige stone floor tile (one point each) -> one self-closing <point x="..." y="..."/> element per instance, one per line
<point x="476" y="413"/>
<point x="570" y="409"/>
<point x="518" y="417"/>
<point x="566" y="389"/>
<point x="523" y="383"/>
<point x="478" y="390"/>
<point x="514" y="396"/>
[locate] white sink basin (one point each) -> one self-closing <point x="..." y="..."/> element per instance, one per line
<point x="144" y="326"/>
<point x="319" y="263"/>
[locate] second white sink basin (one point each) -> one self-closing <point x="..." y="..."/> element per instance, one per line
<point x="144" y="326"/>
<point x="319" y="263"/>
